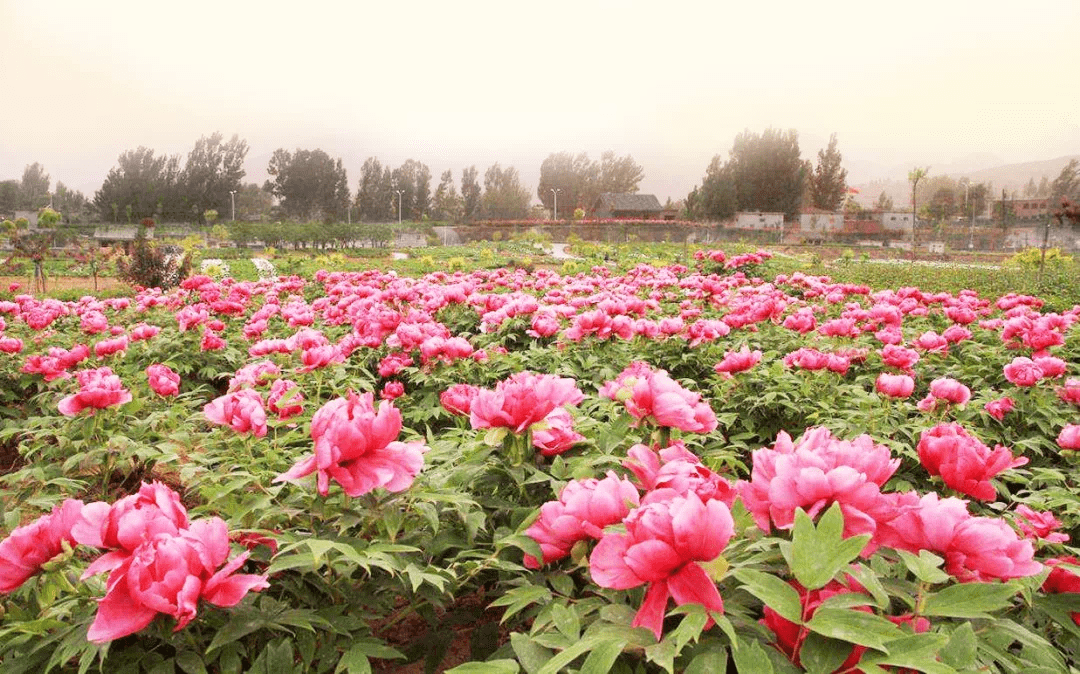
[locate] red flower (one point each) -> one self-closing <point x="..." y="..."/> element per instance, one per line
<point x="663" y="543"/>
<point x="357" y="447"/>
<point x="163" y="381"/>
<point x="962" y="461"/>
<point x="28" y="547"/>
<point x="98" y="389"/>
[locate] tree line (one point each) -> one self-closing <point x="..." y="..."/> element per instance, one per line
<point x="766" y="172"/>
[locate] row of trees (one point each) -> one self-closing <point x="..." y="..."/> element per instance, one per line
<point x="32" y="193"/>
<point x="144" y="185"/>
<point x="766" y="172"/>
<point x="575" y="181"/>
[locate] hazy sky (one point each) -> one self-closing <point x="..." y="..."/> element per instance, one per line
<point x="473" y="82"/>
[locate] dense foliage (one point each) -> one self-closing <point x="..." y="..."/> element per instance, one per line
<point x="675" y="467"/>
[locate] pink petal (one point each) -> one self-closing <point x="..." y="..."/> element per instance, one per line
<point x="651" y="613"/>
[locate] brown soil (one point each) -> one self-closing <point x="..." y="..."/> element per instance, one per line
<point x="458" y="625"/>
<point x="58" y="283"/>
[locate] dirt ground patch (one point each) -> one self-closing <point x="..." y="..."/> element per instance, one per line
<point x="62" y="283"/>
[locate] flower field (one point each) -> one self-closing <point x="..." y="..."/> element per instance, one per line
<point x="675" y="468"/>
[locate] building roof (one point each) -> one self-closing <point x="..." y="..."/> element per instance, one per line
<point x="615" y="201"/>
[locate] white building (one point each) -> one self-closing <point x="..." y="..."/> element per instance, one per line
<point x="758" y="220"/>
<point x="896" y="222"/>
<point x="820" y="222"/>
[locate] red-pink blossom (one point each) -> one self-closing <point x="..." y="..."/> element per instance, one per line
<point x="584" y="508"/>
<point x="211" y="341"/>
<point x="899" y="357"/>
<point x="285" y="398"/>
<point x="169" y="574"/>
<point x="950" y="391"/>
<point x="163" y="381"/>
<point x="1023" y="372"/>
<point x="1062" y="580"/>
<point x="1070" y="392"/>
<point x="523" y="399"/>
<point x="663" y="543"/>
<point x="458" y="398"/>
<point x="653" y="396"/>
<point x="241" y="410"/>
<point x="28" y="547"/>
<point x="1051" y="366"/>
<point x="894" y="385"/>
<point x="1038" y="525"/>
<point x="358" y="448"/>
<point x="964" y="462"/>
<point x="1000" y="407"/>
<point x="677" y="469"/>
<point x="738" y="361"/>
<point x="1069" y="437"/>
<point x="129" y="522"/>
<point x="98" y="389"/>
<point x="816" y="472"/>
<point x="556" y="434"/>
<point x="392" y="390"/>
<point x="10" y="344"/>
<point x="979" y="549"/>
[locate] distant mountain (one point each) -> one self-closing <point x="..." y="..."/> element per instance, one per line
<point x="1008" y="176"/>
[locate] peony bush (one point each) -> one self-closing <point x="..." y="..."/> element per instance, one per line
<point x="667" y="468"/>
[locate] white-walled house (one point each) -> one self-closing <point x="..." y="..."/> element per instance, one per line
<point x="815" y="221"/>
<point x="896" y="222"/>
<point x="758" y="220"/>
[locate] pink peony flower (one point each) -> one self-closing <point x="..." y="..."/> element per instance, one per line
<point x="108" y="347"/>
<point x="894" y="385"/>
<point x="28" y="547"/>
<point x="738" y="361"/>
<point x="663" y="543"/>
<point x="1023" y="372"/>
<point x="677" y="469"/>
<point x="392" y="390"/>
<point x="458" y="399"/>
<point x="1000" y="407"/>
<point x="241" y="410"/>
<point x="1070" y="392"/>
<point x="169" y="574"/>
<point x="651" y="395"/>
<point x="211" y="341"/>
<point x="584" y="508"/>
<point x="317" y="357"/>
<point x="285" y="398"/>
<point x="1039" y="525"/>
<point x="1069" y="437"/>
<point x="559" y="435"/>
<point x="899" y="357"/>
<point x="980" y="549"/>
<point x="962" y="461"/>
<point x="357" y="447"/>
<point x="816" y="472"/>
<point x="128" y="523"/>
<point x="1062" y="580"/>
<point x="98" y="389"/>
<point x="163" y="381"/>
<point x="10" y="344"/>
<point x="522" y="400"/>
<point x="1051" y="366"/>
<point x="790" y="637"/>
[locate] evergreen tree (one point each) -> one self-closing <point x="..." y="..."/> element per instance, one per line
<point x="768" y="172"/>
<point x="470" y="193"/>
<point x="828" y="185"/>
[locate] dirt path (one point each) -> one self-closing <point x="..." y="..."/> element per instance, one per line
<point x="58" y="283"/>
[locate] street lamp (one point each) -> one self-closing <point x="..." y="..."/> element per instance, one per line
<point x="555" y="207"/>
<point x="971" y="215"/>
<point x="232" y="198"/>
<point x="399" y="192"/>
